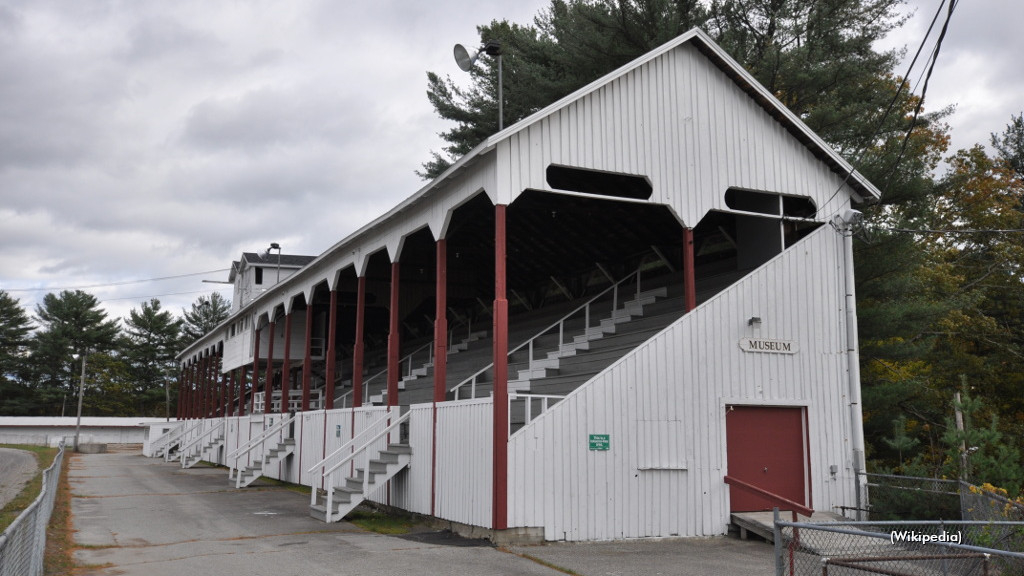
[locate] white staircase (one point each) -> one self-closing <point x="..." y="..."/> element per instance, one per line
<point x="252" y="472"/>
<point x="343" y="493"/>
<point x="195" y="455"/>
<point x="359" y="486"/>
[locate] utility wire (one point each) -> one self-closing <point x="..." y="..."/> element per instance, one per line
<point x="904" y="82"/>
<point x="110" y="284"/>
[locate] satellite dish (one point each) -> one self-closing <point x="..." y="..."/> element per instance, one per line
<point x="465" y="58"/>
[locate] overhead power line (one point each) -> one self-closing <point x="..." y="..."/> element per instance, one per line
<point x="111" y="284"/>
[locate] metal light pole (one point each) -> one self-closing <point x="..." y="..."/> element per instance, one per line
<point x="466" y="58"/>
<point x="276" y="246"/>
<point x="81" y="392"/>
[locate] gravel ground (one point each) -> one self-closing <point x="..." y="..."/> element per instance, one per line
<point x="16" y="468"/>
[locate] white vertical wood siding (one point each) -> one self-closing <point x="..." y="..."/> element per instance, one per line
<point x="464" y="462"/>
<point x="683" y="123"/>
<point x="663" y="406"/>
<point x="411" y="488"/>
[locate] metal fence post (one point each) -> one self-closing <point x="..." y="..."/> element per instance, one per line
<point x="777" y="537"/>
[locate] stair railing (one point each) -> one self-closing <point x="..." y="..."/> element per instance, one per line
<point x="360" y="451"/>
<point x="260" y="440"/>
<point x="186" y="448"/>
<point x="585" y="308"/>
<point x="346" y="446"/>
<point x="181" y="433"/>
<point x="545" y="401"/>
<point x="165" y="439"/>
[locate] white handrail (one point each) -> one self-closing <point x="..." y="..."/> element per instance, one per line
<point x="187" y="429"/>
<point x="164" y="440"/>
<point x="366" y="465"/>
<point x="544" y="398"/>
<point x="614" y="288"/>
<point x="348" y="444"/>
<point x="259" y="439"/>
<point x="219" y="425"/>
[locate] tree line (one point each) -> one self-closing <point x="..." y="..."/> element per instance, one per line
<point x="938" y="260"/>
<point x="128" y="364"/>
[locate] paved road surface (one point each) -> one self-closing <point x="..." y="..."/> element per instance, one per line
<point x="141" y="516"/>
<point x="16" y="468"/>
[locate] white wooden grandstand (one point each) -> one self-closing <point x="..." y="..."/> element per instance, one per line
<point x="579" y="331"/>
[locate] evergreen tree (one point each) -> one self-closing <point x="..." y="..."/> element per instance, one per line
<point x="206" y="313"/>
<point x="152" y="339"/>
<point x="15" y="330"/>
<point x="817" y="57"/>
<point x="71" y="323"/>
<point x="1010" y="144"/>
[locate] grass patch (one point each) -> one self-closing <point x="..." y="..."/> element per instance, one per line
<point x="381" y="523"/>
<point x="44" y="457"/>
<point x="60" y="544"/>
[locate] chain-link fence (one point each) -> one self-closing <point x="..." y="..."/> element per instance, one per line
<point x="955" y="548"/>
<point x="23" y="543"/>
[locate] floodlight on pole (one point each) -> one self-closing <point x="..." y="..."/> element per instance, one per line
<point x="276" y="246"/>
<point x="466" y="58"/>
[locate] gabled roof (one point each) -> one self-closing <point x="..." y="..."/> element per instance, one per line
<point x="720" y="58"/>
<point x="290" y="261"/>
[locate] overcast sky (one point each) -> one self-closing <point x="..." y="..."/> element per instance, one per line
<point x="144" y="139"/>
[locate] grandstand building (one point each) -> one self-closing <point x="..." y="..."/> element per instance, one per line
<point x="627" y="315"/>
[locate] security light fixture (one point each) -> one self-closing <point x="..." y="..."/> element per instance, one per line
<point x="754" y="321"/>
<point x="466" y="57"/>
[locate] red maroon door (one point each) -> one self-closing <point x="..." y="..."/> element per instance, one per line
<point x="765" y="446"/>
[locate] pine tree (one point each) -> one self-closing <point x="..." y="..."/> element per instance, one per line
<point x="206" y="313"/>
<point x="71" y="323"/>
<point x="15" y="330"/>
<point x="152" y="339"/>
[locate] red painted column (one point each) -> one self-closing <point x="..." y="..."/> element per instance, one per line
<point x="225" y="392"/>
<point x="332" y="322"/>
<point x="185" y="401"/>
<point x="286" y="369"/>
<point x="499" y="502"/>
<point x="229" y="405"/>
<point x="255" y="371"/>
<point x="393" y="339"/>
<point x="357" y="352"/>
<point x="441" y="323"/>
<point x="689" y="277"/>
<point x="440" y="354"/>
<point x="307" y="360"/>
<point x="243" y="380"/>
<point x="204" y="386"/>
<point x="268" y="383"/>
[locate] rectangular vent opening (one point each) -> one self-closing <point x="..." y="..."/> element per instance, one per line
<point x="600" y="183"/>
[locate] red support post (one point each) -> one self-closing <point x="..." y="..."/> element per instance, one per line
<point x="225" y="393"/>
<point x="357" y="352"/>
<point x="286" y="367"/>
<point x="268" y="383"/>
<point x="185" y="401"/>
<point x="393" y="339"/>
<point x="204" y="385"/>
<point x="307" y="359"/>
<point x="689" y="277"/>
<point x="255" y="372"/>
<point x="242" y="381"/>
<point x="332" y="321"/>
<point x="440" y="355"/>
<point x="441" y="322"/>
<point x="229" y="405"/>
<point x="499" y="503"/>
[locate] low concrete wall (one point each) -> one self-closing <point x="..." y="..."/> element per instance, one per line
<point x="46" y="431"/>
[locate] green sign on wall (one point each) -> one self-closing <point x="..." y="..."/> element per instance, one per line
<point x="600" y="441"/>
